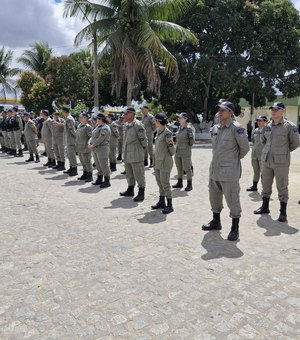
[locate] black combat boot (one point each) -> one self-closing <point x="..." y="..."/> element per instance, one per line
<point x="145" y="161"/>
<point x="56" y="166"/>
<point x="52" y="163"/>
<point x="73" y="172"/>
<point x="253" y="188"/>
<point x="264" y="209"/>
<point x="161" y="204"/>
<point x="25" y="148"/>
<point x="179" y="184"/>
<point x="113" y="167"/>
<point x="151" y="163"/>
<point x="89" y="177"/>
<point x="20" y="153"/>
<point x="128" y="192"/>
<point x="30" y="159"/>
<point x="282" y="216"/>
<point x="106" y="183"/>
<point x="83" y="177"/>
<point x="99" y="180"/>
<point x="8" y="151"/>
<point x="169" y="208"/>
<point x="214" y="224"/>
<point x="234" y="232"/>
<point x="49" y="161"/>
<point x="119" y="158"/>
<point x="37" y="158"/>
<point x="123" y="172"/>
<point x="4" y="150"/>
<point x="140" y="196"/>
<point x="68" y="171"/>
<point x="189" y="186"/>
<point x="14" y="152"/>
<point x="61" y="166"/>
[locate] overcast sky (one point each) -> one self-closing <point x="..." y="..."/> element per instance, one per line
<point x="25" y="22"/>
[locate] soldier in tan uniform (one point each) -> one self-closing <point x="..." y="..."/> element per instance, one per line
<point x="257" y="150"/>
<point x="58" y="127"/>
<point x="114" y="137"/>
<point x="17" y="131"/>
<point x="185" y="138"/>
<point x="47" y="137"/>
<point x="83" y="135"/>
<point x="164" y="151"/>
<point x="99" y="144"/>
<point x="135" y="142"/>
<point x="10" y="133"/>
<point x="149" y="123"/>
<point x="230" y="144"/>
<point x="70" y="139"/>
<point x="120" y="124"/>
<point x="30" y="134"/>
<point x="280" y="137"/>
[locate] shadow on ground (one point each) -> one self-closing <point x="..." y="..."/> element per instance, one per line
<point x="123" y="203"/>
<point x="275" y="228"/>
<point x="153" y="217"/>
<point x="217" y="247"/>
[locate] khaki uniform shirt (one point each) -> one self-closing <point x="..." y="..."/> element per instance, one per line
<point x="279" y="140"/>
<point x="58" y="132"/>
<point x="70" y="131"/>
<point x="47" y="130"/>
<point x="83" y="135"/>
<point x="100" y="139"/>
<point x="164" y="150"/>
<point x="30" y="131"/>
<point x="230" y="144"/>
<point x="114" y="134"/>
<point x="185" y="138"/>
<point x="135" y="142"/>
<point x="149" y="124"/>
<point x="257" y="144"/>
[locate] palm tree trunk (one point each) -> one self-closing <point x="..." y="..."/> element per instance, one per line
<point x="96" y="80"/>
<point x="207" y="91"/>
<point x="129" y="92"/>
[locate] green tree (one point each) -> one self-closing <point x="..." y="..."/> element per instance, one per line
<point x="69" y="80"/>
<point x="133" y="33"/>
<point x="7" y="83"/>
<point x="36" y="58"/>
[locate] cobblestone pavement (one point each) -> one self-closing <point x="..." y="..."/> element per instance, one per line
<point x="79" y="262"/>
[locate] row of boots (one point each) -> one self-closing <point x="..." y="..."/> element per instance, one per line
<point x="179" y="184"/>
<point x="12" y="152"/>
<point x="264" y="209"/>
<point x="31" y="158"/>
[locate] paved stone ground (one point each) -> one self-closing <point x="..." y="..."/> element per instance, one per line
<point x="79" y="262"/>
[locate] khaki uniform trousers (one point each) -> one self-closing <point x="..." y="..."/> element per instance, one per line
<point x="113" y="153"/>
<point x="86" y="161"/>
<point x="256" y="165"/>
<point x="231" y="192"/>
<point x="32" y="147"/>
<point x="163" y="182"/>
<point x="11" y="140"/>
<point x="17" y="137"/>
<point x="59" y="150"/>
<point x="49" y="148"/>
<point x="4" y="133"/>
<point x="149" y="149"/>
<point x="71" y="154"/>
<point x="102" y="164"/>
<point x="184" y="164"/>
<point x="281" y="175"/>
<point x="135" y="172"/>
<point x="2" y="143"/>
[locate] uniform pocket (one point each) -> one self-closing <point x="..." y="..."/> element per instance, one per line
<point x="280" y="159"/>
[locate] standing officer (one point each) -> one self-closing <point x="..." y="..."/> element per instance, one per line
<point x="149" y="124"/>
<point x="47" y="137"/>
<point x="30" y="133"/>
<point x="70" y="139"/>
<point x="3" y="132"/>
<point x="135" y="143"/>
<point x="11" y="148"/>
<point x="17" y="131"/>
<point x="164" y="151"/>
<point x="257" y="150"/>
<point x="113" y="141"/>
<point x="279" y="137"/>
<point x="185" y="138"/>
<point x="83" y="135"/>
<point x="58" y="141"/>
<point x="99" y="144"/>
<point x="120" y="124"/>
<point x="230" y="144"/>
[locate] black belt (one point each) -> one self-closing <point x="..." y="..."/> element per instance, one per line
<point x="9" y="130"/>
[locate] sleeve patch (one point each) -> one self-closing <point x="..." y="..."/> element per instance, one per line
<point x="241" y="131"/>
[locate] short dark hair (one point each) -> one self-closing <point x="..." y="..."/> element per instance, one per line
<point x="45" y="112"/>
<point x="66" y="109"/>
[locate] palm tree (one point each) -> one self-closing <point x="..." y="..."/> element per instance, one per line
<point x="133" y="33"/>
<point x="6" y="73"/>
<point x="36" y="58"/>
